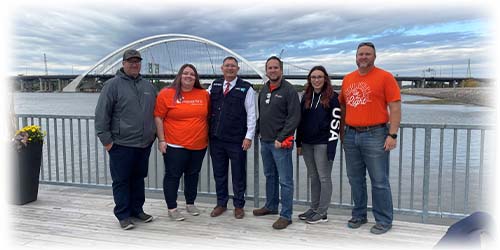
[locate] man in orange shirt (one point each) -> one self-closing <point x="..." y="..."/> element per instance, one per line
<point x="367" y="137"/>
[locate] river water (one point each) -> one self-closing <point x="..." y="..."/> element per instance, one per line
<point x="84" y="104"/>
<point x="407" y="190"/>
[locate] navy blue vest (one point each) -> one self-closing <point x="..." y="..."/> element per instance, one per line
<point x="228" y="117"/>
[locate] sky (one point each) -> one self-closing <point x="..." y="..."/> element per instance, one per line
<point x="410" y="38"/>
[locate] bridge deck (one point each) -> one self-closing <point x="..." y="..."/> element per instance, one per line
<point x="77" y="217"/>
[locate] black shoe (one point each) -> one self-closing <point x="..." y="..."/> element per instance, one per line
<point x="317" y="218"/>
<point x="380" y="229"/>
<point x="306" y="214"/>
<point x="356" y="222"/>
<point x="126" y="224"/>
<point x="144" y="217"/>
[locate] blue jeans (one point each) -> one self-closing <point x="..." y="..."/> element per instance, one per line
<point x="278" y="169"/>
<point x="365" y="151"/>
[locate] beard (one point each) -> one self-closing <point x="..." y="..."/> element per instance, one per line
<point x="275" y="79"/>
<point x="364" y="64"/>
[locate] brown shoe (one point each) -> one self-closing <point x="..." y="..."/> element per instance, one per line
<point x="263" y="211"/>
<point x="281" y="223"/>
<point x="218" y="210"/>
<point x="239" y="213"/>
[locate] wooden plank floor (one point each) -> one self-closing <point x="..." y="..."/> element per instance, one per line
<point x="78" y="217"/>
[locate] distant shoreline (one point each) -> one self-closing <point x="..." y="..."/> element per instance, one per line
<point x="475" y="96"/>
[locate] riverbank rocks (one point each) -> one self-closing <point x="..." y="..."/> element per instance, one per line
<point x="476" y="96"/>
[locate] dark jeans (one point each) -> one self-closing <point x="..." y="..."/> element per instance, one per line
<point x="221" y="152"/>
<point x="129" y="167"/>
<point x="364" y="151"/>
<point x="179" y="161"/>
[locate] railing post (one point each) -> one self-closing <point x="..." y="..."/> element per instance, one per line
<point x="427" y="167"/>
<point x="297" y="178"/>
<point x="24" y="122"/>
<point x="256" y="171"/>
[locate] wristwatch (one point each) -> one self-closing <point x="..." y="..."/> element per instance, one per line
<point x="394" y="136"/>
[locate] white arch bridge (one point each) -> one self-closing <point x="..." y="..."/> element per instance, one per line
<point x="165" y="54"/>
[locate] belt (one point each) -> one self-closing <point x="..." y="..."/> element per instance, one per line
<point x="367" y="128"/>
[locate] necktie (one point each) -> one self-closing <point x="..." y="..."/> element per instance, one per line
<point x="227" y="88"/>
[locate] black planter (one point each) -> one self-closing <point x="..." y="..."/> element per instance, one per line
<point x="26" y="174"/>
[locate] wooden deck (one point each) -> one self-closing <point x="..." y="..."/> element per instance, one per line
<point x="78" y="217"/>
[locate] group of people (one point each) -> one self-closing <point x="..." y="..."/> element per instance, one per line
<point x="186" y="118"/>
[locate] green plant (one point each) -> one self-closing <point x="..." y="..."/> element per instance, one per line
<point x="27" y="135"/>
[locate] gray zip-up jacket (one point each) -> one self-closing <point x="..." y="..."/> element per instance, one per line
<point x="279" y="112"/>
<point x="124" y="111"/>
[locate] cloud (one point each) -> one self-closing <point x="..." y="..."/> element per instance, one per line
<point x="79" y="35"/>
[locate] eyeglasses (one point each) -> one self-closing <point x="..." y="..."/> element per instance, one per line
<point x="369" y="44"/>
<point x="230" y="65"/>
<point x="187" y="73"/>
<point x="317" y="77"/>
<point x="134" y="61"/>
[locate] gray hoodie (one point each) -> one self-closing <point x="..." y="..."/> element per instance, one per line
<point x="124" y="111"/>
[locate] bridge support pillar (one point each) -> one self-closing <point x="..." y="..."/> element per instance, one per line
<point x="41" y="84"/>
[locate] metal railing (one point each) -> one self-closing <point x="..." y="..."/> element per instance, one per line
<point x="436" y="170"/>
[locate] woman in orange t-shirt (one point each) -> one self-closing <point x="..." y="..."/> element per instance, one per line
<point x="181" y="117"/>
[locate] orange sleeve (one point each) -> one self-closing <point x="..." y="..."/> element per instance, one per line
<point x="161" y="105"/>
<point x="341" y="94"/>
<point x="392" y="91"/>
<point x="341" y="97"/>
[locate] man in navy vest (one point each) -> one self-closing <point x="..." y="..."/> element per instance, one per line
<point x="232" y="128"/>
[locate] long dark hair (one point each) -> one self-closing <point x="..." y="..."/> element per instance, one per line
<point x="326" y="91"/>
<point x="177" y="85"/>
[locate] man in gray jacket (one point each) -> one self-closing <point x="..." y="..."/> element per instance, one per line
<point x="125" y="126"/>
<point x="279" y="116"/>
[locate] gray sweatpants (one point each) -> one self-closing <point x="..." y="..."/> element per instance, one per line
<point x="319" y="169"/>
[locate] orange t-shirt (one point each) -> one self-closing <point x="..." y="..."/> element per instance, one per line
<point x="366" y="97"/>
<point x="185" y="123"/>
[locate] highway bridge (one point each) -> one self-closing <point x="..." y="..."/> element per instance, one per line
<point x="93" y="83"/>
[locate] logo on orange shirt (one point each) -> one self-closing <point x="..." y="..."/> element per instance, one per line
<point x="358" y="94"/>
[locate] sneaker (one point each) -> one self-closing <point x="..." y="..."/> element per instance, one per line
<point x="317" y="218"/>
<point x="192" y="210"/>
<point x="126" y="224"/>
<point x="306" y="214"/>
<point x="144" y="217"/>
<point x="263" y="211"/>
<point x="281" y="223"/>
<point x="175" y="215"/>
<point x="356" y="222"/>
<point x="380" y="229"/>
